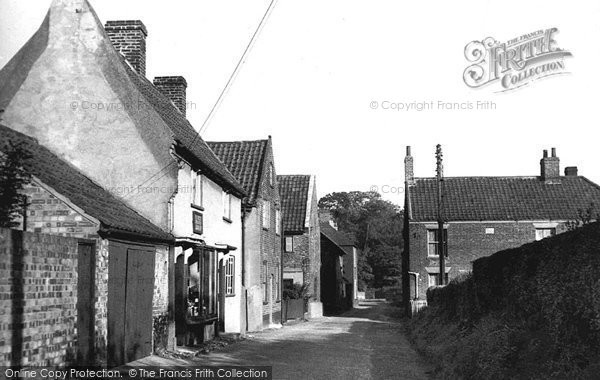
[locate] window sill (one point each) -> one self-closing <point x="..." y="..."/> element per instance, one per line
<point x="265" y="228"/>
<point x="227" y="219"/>
<point x="197" y="207"/>
<point x="265" y="303"/>
<point x="229" y="295"/>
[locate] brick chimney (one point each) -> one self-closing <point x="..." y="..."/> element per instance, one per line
<point x="409" y="173"/>
<point x="571" y="171"/>
<point x="173" y="88"/>
<point x="550" y="166"/>
<point x="129" y="38"/>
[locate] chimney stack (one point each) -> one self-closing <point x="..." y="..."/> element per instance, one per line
<point x="571" y="171"/>
<point x="550" y="166"/>
<point x="409" y="173"/>
<point x="129" y="38"/>
<point x="173" y="88"/>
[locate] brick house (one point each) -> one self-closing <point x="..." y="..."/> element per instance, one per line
<point x="483" y="215"/>
<point x="338" y="269"/>
<point x="92" y="106"/>
<point x="252" y="163"/>
<point x="302" y="236"/>
<point x="109" y="251"/>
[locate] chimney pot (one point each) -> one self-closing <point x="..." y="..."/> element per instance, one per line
<point x="550" y="166"/>
<point x="174" y="88"/>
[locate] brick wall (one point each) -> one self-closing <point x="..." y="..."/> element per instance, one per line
<point x="39" y="294"/>
<point x="48" y="214"/>
<point x="314" y="247"/>
<point x="174" y="88"/>
<point x="270" y="241"/>
<point x="129" y="38"/>
<point x="466" y="243"/>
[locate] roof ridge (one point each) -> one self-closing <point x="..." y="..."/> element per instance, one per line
<point x="235" y="141"/>
<point x="482" y="176"/>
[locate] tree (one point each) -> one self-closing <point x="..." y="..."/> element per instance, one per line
<point x="13" y="176"/>
<point x="587" y="216"/>
<point x="377" y="226"/>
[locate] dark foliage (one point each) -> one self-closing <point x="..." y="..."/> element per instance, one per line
<point x="528" y="312"/>
<point x="377" y="226"/>
<point x="296" y="292"/>
<point x="13" y="176"/>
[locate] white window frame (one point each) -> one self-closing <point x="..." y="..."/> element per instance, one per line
<point x="271" y="175"/>
<point x="266" y="214"/>
<point x="431" y="276"/>
<point x="197" y="189"/>
<point x="226" y="205"/>
<point x="230" y="276"/>
<point x="291" y="244"/>
<point x="540" y="232"/>
<point x="278" y="221"/>
<point x="430" y="242"/>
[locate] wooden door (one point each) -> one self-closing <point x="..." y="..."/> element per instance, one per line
<point x="138" y="305"/>
<point x="130" y="290"/>
<point x="86" y="264"/>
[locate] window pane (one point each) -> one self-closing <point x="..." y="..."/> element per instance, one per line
<point x="289" y="243"/>
<point x="432" y="235"/>
<point x="432" y="249"/>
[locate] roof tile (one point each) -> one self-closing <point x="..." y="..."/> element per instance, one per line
<point x="82" y="191"/>
<point x="503" y="198"/>
<point x="293" y="190"/>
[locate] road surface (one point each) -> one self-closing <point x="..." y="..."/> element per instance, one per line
<point x="364" y="343"/>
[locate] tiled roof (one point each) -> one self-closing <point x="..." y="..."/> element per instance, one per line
<point x="184" y="133"/>
<point x="503" y="198"/>
<point x="339" y="238"/>
<point x="95" y="201"/>
<point x="244" y="159"/>
<point x="293" y="190"/>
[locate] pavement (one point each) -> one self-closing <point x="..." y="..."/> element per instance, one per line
<point x="364" y="343"/>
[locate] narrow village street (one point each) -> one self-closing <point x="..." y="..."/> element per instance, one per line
<point x="364" y="343"/>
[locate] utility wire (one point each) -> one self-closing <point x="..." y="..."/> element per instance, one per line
<point x="238" y="66"/>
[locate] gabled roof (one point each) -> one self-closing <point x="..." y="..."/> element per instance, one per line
<point x="95" y="201"/>
<point x="338" y="238"/>
<point x="245" y="160"/>
<point x="503" y="198"/>
<point x="71" y="60"/>
<point x="293" y="190"/>
<point x="185" y="135"/>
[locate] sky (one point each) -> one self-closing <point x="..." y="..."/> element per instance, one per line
<point x="322" y="77"/>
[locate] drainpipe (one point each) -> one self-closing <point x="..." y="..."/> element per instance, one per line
<point x="281" y="245"/>
<point x="244" y="285"/>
